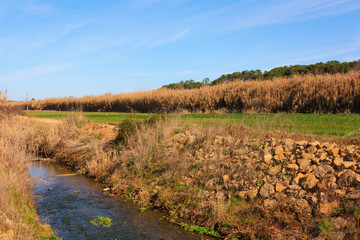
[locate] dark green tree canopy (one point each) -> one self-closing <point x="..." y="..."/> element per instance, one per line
<point x="330" y="67"/>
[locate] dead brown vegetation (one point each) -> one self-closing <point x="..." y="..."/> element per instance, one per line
<point x="339" y="93"/>
<point x="18" y="219"/>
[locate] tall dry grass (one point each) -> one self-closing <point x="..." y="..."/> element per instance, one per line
<point x="18" y="219"/>
<point x="339" y="93"/>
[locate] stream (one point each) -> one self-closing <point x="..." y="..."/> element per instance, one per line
<point x="74" y="200"/>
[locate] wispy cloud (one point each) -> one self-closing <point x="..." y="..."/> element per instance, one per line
<point x="28" y="73"/>
<point x="248" y="14"/>
<point x="170" y="39"/>
<point x="327" y="53"/>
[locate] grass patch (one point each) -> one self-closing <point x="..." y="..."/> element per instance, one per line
<point x="329" y="125"/>
<point x="96" y="117"/>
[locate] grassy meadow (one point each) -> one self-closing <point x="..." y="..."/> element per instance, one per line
<point x="345" y="126"/>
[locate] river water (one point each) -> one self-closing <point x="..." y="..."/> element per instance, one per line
<point x="75" y="200"/>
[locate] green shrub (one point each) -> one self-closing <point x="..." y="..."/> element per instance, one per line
<point x="126" y="128"/>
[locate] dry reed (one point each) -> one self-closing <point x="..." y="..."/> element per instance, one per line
<point x="17" y="215"/>
<point x="339" y="93"/>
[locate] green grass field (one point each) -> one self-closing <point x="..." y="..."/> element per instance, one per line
<point x="345" y="126"/>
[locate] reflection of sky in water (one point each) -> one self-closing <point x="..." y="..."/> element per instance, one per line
<point x="75" y="200"/>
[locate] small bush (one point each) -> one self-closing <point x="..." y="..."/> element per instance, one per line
<point x="126" y="128"/>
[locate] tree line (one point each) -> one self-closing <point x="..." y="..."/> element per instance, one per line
<point x="330" y="67"/>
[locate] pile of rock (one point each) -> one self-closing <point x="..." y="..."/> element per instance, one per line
<point x="312" y="177"/>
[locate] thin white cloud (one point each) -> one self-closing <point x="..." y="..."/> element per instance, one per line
<point x="248" y="14"/>
<point x="31" y="72"/>
<point x="171" y="39"/>
<point x="293" y="10"/>
<point x="327" y="53"/>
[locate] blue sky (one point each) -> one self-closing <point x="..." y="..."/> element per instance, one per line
<point x="66" y="48"/>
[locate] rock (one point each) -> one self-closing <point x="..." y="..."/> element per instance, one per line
<point x="338" y="162"/>
<point x="294" y="187"/>
<point x="304" y="206"/>
<point x="251" y="194"/>
<point x="292" y="167"/>
<point x="315" y="143"/>
<point x="353" y="195"/>
<point x="348" y="164"/>
<point x="270" y="203"/>
<point x="348" y="178"/>
<point x="339" y="192"/>
<point x="327" y="208"/>
<point x="288" y="142"/>
<point x="309" y="182"/>
<point x="322" y="156"/>
<point x="241" y="194"/>
<point x="266" y="190"/>
<point x="274" y="170"/>
<point x="267" y="158"/>
<point x="297" y="178"/>
<point x="313" y="199"/>
<point x="299" y="206"/>
<point x="303" y="164"/>
<point x="279" y="187"/>
<point x="311" y="149"/>
<point x="279" y="153"/>
<point x="334" y="151"/>
<point x="301" y="143"/>
<point x="322" y="169"/>
<point x="328" y="182"/>
<point x="279" y="196"/>
<point x="339" y="223"/>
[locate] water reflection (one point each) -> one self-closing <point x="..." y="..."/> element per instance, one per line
<point x="75" y="200"/>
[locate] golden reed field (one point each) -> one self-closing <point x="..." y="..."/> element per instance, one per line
<point x="338" y="93"/>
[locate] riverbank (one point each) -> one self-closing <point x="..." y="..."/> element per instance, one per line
<point x="18" y="218"/>
<point x="232" y="181"/>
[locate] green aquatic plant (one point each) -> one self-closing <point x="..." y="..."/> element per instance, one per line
<point x="101" y="221"/>
<point x="200" y="230"/>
